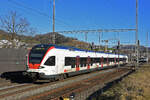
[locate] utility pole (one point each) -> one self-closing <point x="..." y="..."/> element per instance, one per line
<point x="137" y="42"/>
<point x="106" y="45"/>
<point x="86" y="39"/>
<point x="54" y="22"/>
<point x="147" y="48"/>
<point x="118" y="53"/>
<point x="99" y="40"/>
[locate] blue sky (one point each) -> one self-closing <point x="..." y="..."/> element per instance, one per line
<point x="84" y="15"/>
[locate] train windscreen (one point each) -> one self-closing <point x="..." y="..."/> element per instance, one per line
<point x="37" y="53"/>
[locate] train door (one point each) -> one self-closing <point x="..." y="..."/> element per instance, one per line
<point x="88" y="62"/>
<point x="50" y="65"/>
<point x="102" y="60"/>
<point x="77" y="63"/>
<point x="60" y="64"/>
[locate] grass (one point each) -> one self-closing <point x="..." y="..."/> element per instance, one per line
<point x="134" y="87"/>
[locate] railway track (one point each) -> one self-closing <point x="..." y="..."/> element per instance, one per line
<point x="4" y="83"/>
<point x="55" y="90"/>
<point x="79" y="87"/>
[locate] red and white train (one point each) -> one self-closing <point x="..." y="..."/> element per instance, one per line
<point x="57" y="62"/>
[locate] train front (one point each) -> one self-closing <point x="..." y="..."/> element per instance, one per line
<point x="35" y="61"/>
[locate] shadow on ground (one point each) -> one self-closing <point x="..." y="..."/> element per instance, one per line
<point x="16" y="77"/>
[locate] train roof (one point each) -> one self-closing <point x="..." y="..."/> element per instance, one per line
<point x="70" y="48"/>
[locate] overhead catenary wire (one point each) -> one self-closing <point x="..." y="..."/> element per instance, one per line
<point x="29" y="8"/>
<point x="97" y="30"/>
<point x="58" y="20"/>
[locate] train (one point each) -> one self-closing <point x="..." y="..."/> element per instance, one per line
<point x="52" y="62"/>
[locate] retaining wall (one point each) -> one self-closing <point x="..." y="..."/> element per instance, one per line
<point x="12" y="59"/>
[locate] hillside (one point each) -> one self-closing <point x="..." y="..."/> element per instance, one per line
<point x="131" y="48"/>
<point x="4" y="35"/>
<point x="47" y="38"/>
<point x="60" y="39"/>
<point x="44" y="39"/>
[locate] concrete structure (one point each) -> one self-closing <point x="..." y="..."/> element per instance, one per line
<point x="12" y="59"/>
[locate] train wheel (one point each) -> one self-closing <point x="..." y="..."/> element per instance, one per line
<point x="34" y="79"/>
<point x="65" y="76"/>
<point x="52" y="80"/>
<point x="61" y="77"/>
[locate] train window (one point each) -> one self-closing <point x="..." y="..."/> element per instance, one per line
<point x="83" y="62"/>
<point x="97" y="60"/>
<point x="70" y="61"/>
<point x="37" y="53"/>
<point x="72" y="66"/>
<point x="50" y="61"/>
<point x="67" y="61"/>
<point x="35" y="58"/>
<point x="91" y="61"/>
<point x="124" y="59"/>
<point x="120" y="59"/>
<point x="105" y="60"/>
<point x="94" y="60"/>
<point x="81" y="65"/>
<point x="111" y="59"/>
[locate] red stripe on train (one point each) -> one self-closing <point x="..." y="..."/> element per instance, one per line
<point x="88" y="67"/>
<point x="102" y="62"/>
<point x="77" y="63"/>
<point x="34" y="66"/>
<point x="88" y="62"/>
<point x="47" y="52"/>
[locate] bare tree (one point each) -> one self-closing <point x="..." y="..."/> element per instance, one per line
<point x="14" y="24"/>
